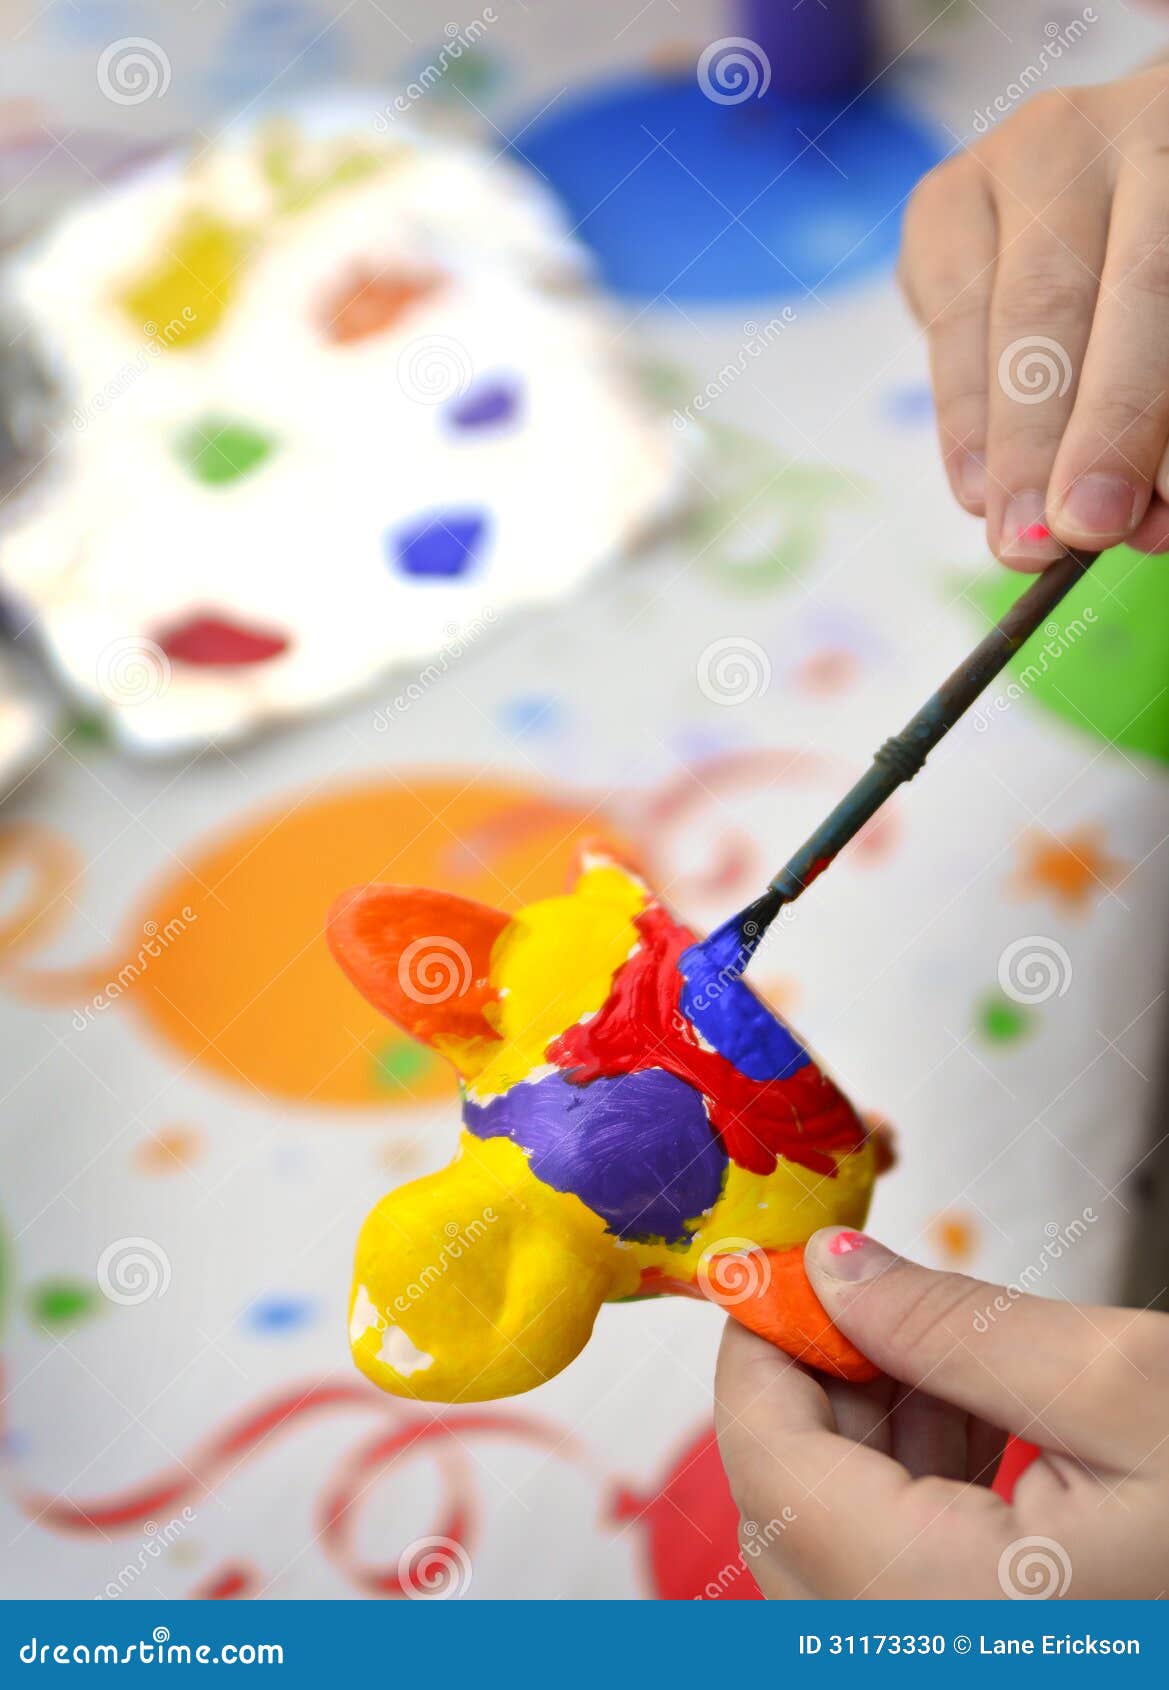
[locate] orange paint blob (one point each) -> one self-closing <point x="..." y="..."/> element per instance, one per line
<point x="168" y="1152"/>
<point x="368" y="302"/>
<point x="1073" y="871"/>
<point x="956" y="1236"/>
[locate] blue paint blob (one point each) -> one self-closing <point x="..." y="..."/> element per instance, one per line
<point x="443" y="545"/>
<point x="487" y="404"/>
<point x="531" y="715"/>
<point x="685" y="199"/>
<point x="910" y="406"/>
<point x="278" y="1313"/>
<point x="638" y="1148"/>
<point x="727" y="1013"/>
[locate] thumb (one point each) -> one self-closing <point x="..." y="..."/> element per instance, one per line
<point x="1047" y="1371"/>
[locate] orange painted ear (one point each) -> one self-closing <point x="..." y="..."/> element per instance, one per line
<point x="422" y="958"/>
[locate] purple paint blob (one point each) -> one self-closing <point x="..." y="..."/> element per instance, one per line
<point x="638" y="1148"/>
<point x="487" y="404"/>
<point x="444" y="544"/>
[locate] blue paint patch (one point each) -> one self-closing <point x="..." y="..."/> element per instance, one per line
<point x="685" y="199"/>
<point x="490" y="403"/>
<point x="538" y="713"/>
<point x="443" y="545"/>
<point x="910" y="406"/>
<point x="278" y="1313"/>
<point x="638" y="1148"/>
<point x="727" y="1013"/>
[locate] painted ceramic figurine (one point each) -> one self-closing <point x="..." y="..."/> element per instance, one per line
<point x="634" y="1122"/>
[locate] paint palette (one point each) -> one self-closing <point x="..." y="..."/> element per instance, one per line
<point x="335" y="405"/>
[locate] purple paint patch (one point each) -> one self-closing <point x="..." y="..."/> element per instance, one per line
<point x="487" y="404"/>
<point x="638" y="1148"/>
<point x="443" y="544"/>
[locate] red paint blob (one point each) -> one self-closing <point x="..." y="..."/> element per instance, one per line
<point x="691" y="1528"/>
<point x="214" y="642"/>
<point x="802" y="1117"/>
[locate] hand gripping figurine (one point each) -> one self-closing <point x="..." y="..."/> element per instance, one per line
<point x="635" y="1121"/>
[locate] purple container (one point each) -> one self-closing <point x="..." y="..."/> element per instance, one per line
<point x="816" y="48"/>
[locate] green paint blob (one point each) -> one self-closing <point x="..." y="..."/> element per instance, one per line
<point x="1101" y="661"/>
<point x="217" y="452"/>
<point x="1002" y="1022"/>
<point x="59" y="1303"/>
<point x="400" y="1062"/>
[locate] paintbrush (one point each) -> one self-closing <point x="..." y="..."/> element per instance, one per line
<point x="731" y="946"/>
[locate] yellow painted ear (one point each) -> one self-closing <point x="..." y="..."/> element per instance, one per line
<point x="424" y="959"/>
<point x="595" y="861"/>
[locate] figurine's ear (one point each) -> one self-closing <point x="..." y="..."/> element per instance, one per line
<point x="422" y="958"/>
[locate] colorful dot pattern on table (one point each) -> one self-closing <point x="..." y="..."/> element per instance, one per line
<point x="1002" y="1022"/>
<point x="445" y="544"/>
<point x="209" y="641"/>
<point x="488" y="404"/>
<point x="57" y="1304"/>
<point x="371" y="302"/>
<point x="218" y="452"/>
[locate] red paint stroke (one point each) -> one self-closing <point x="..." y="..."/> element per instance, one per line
<point x="1017" y="1456"/>
<point x="802" y="1117"/>
<point x="341" y="1502"/>
<point x="691" y="1529"/>
<point x="230" y="1582"/>
<point x="209" y="641"/>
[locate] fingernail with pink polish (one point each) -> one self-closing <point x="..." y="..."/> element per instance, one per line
<point x="1101" y="505"/>
<point x="1025" y="533"/>
<point x="849" y="1256"/>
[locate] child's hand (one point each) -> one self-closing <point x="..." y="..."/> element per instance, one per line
<point x="879" y="1490"/>
<point x="1038" y="261"/>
